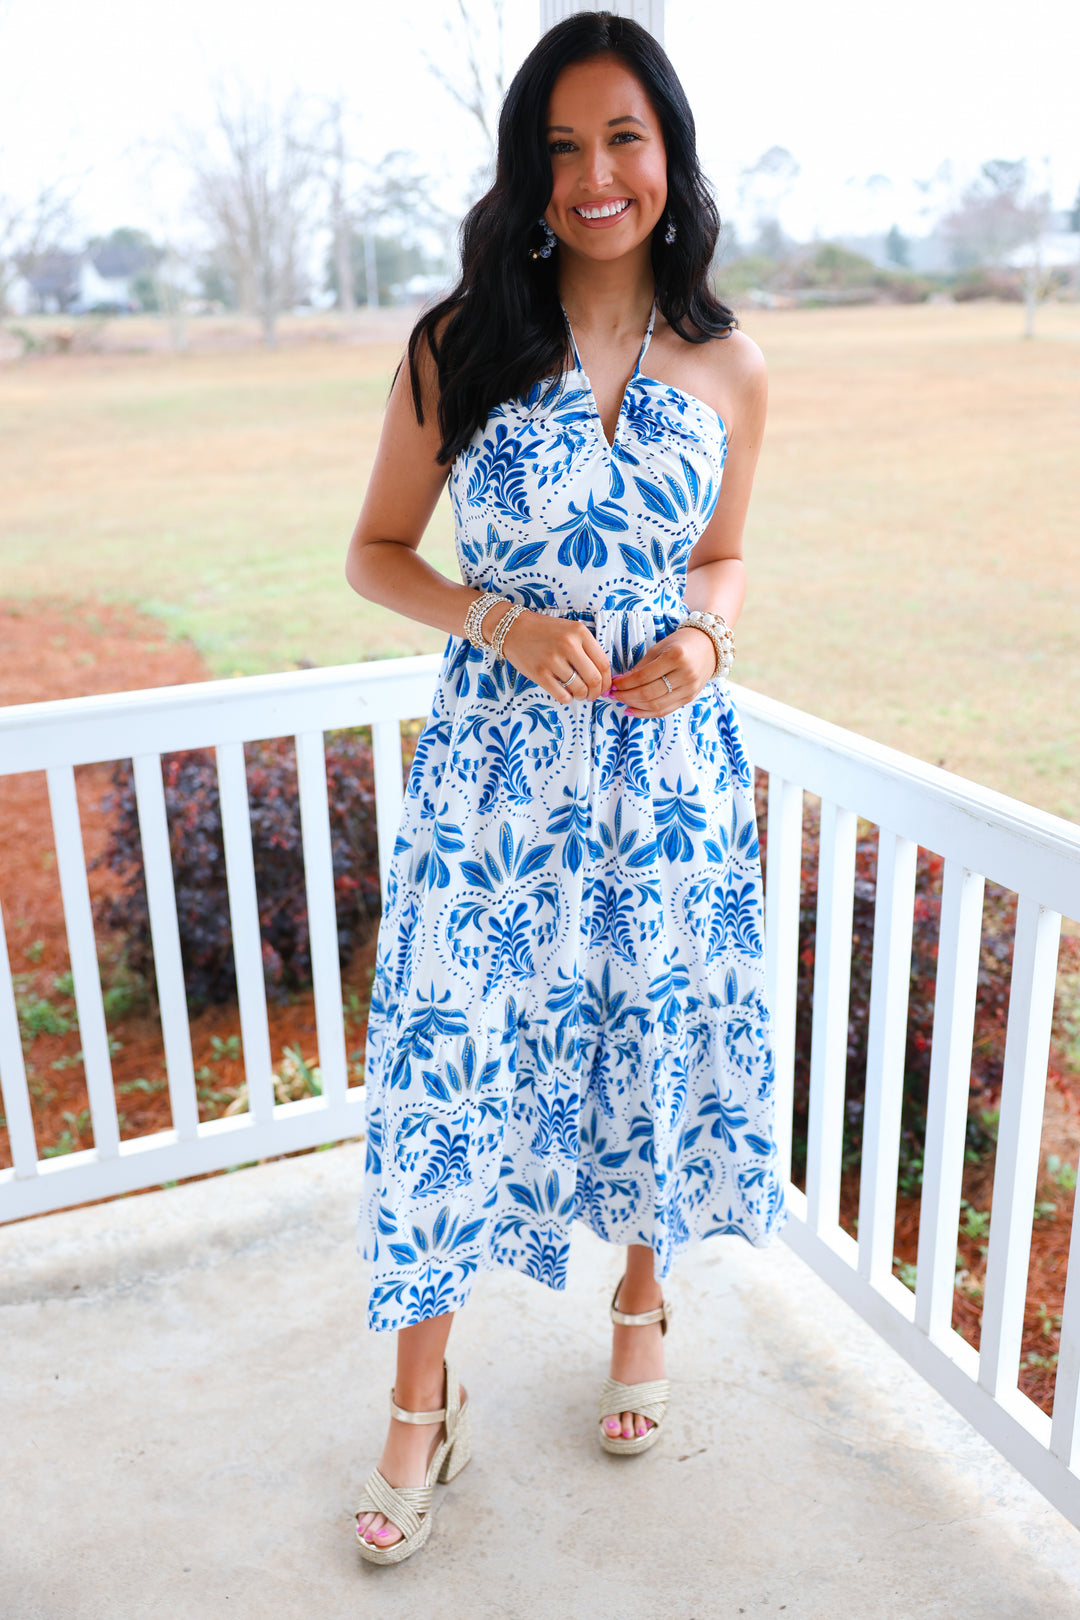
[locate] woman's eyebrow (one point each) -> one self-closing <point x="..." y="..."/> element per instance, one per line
<point x="623" y="118"/>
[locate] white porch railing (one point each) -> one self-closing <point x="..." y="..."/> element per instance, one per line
<point x="980" y="834"/>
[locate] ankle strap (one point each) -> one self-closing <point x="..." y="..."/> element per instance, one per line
<point x="415" y="1417"/>
<point x="446" y="1414"/>
<point x="644" y="1319"/>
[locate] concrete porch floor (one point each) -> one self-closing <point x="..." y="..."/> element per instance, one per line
<point x="191" y="1401"/>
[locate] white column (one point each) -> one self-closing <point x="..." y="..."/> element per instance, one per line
<point x="649" y="13"/>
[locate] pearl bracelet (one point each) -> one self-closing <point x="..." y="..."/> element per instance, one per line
<point x="719" y="633"/>
<point x="474" y="619"/>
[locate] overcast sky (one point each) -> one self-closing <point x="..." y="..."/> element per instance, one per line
<point x="858" y="91"/>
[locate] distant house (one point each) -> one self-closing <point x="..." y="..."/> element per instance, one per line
<point x="98" y="290"/>
<point x="111" y="270"/>
<point x="104" y="278"/>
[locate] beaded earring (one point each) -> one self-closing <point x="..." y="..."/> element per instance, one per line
<point x="545" y="249"/>
<point x="669" y="234"/>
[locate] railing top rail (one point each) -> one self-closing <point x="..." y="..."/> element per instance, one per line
<point x="165" y="719"/>
<point x="1012" y="843"/>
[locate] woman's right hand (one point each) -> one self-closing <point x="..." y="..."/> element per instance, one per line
<point x="546" y="650"/>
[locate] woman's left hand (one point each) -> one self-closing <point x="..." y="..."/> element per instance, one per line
<point x="687" y="657"/>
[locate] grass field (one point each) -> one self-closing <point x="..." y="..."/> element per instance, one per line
<point x="913" y="547"/>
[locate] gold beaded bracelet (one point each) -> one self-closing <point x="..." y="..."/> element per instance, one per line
<point x="479" y="608"/>
<point x="499" y="633"/>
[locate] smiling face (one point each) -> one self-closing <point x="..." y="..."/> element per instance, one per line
<point x="608" y="160"/>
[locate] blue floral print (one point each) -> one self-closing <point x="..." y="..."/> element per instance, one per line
<point x="568" y="1017"/>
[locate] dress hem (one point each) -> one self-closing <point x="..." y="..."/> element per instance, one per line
<point x="379" y="1322"/>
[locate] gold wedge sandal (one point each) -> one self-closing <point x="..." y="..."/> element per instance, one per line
<point x="649" y="1399"/>
<point x="409" y="1507"/>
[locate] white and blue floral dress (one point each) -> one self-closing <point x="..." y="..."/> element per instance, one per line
<point x="568" y="1017"/>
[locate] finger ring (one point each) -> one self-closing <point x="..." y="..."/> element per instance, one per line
<point x="666" y="682"/>
<point x="565" y="681"/>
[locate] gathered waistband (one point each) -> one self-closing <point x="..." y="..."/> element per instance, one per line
<point x="655" y="610"/>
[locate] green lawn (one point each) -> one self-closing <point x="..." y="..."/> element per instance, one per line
<point x="219" y="492"/>
<point x="913" y="543"/>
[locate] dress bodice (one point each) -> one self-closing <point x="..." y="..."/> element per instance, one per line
<point x="547" y="512"/>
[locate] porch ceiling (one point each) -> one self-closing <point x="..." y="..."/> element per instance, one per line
<point x="191" y="1402"/>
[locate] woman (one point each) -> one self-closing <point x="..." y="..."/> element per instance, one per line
<point x="567" y="1018"/>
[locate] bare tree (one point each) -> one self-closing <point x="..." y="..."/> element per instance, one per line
<point x="340" y="221"/>
<point x="254" y="192"/>
<point x="472" y="70"/>
<point x="763" y="187"/>
<point x="399" y="219"/>
<point x="1000" y="222"/>
<point x="332" y="159"/>
<point x="34" y="227"/>
<point x="31" y="230"/>
<point x="998" y="214"/>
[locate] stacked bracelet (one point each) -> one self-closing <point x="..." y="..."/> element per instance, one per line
<point x="499" y="633"/>
<point x="474" y="619"/>
<point x="719" y="633"/>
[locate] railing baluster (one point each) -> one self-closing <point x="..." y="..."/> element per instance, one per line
<point x="389" y="791"/>
<point x="782" y="877"/>
<point x="886" y="1041"/>
<point x="1065" y="1427"/>
<point x="829" y="1038"/>
<point x="165" y="934"/>
<point x="1016" y="1168"/>
<point x="82" y="949"/>
<point x="17" y="1112"/>
<point x="322" y="912"/>
<point x="950" y="1080"/>
<point x="247" y="939"/>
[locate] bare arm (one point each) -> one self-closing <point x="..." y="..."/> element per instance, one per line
<point x="716" y="576"/>
<point x="406" y="481"/>
<point x="383" y="564"/>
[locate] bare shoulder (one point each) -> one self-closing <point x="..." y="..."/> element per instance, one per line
<point x="739" y="356"/>
<point x="727" y="372"/>
<point x="742" y="382"/>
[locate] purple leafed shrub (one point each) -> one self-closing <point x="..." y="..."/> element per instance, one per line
<point x="198" y="859"/>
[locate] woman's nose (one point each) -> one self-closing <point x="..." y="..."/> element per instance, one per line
<point x="597" y="168"/>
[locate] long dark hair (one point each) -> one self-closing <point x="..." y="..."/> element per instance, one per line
<point x="505" y="330"/>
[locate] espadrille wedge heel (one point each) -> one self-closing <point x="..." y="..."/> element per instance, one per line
<point x="409" y="1507"/>
<point x="650" y="1398"/>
